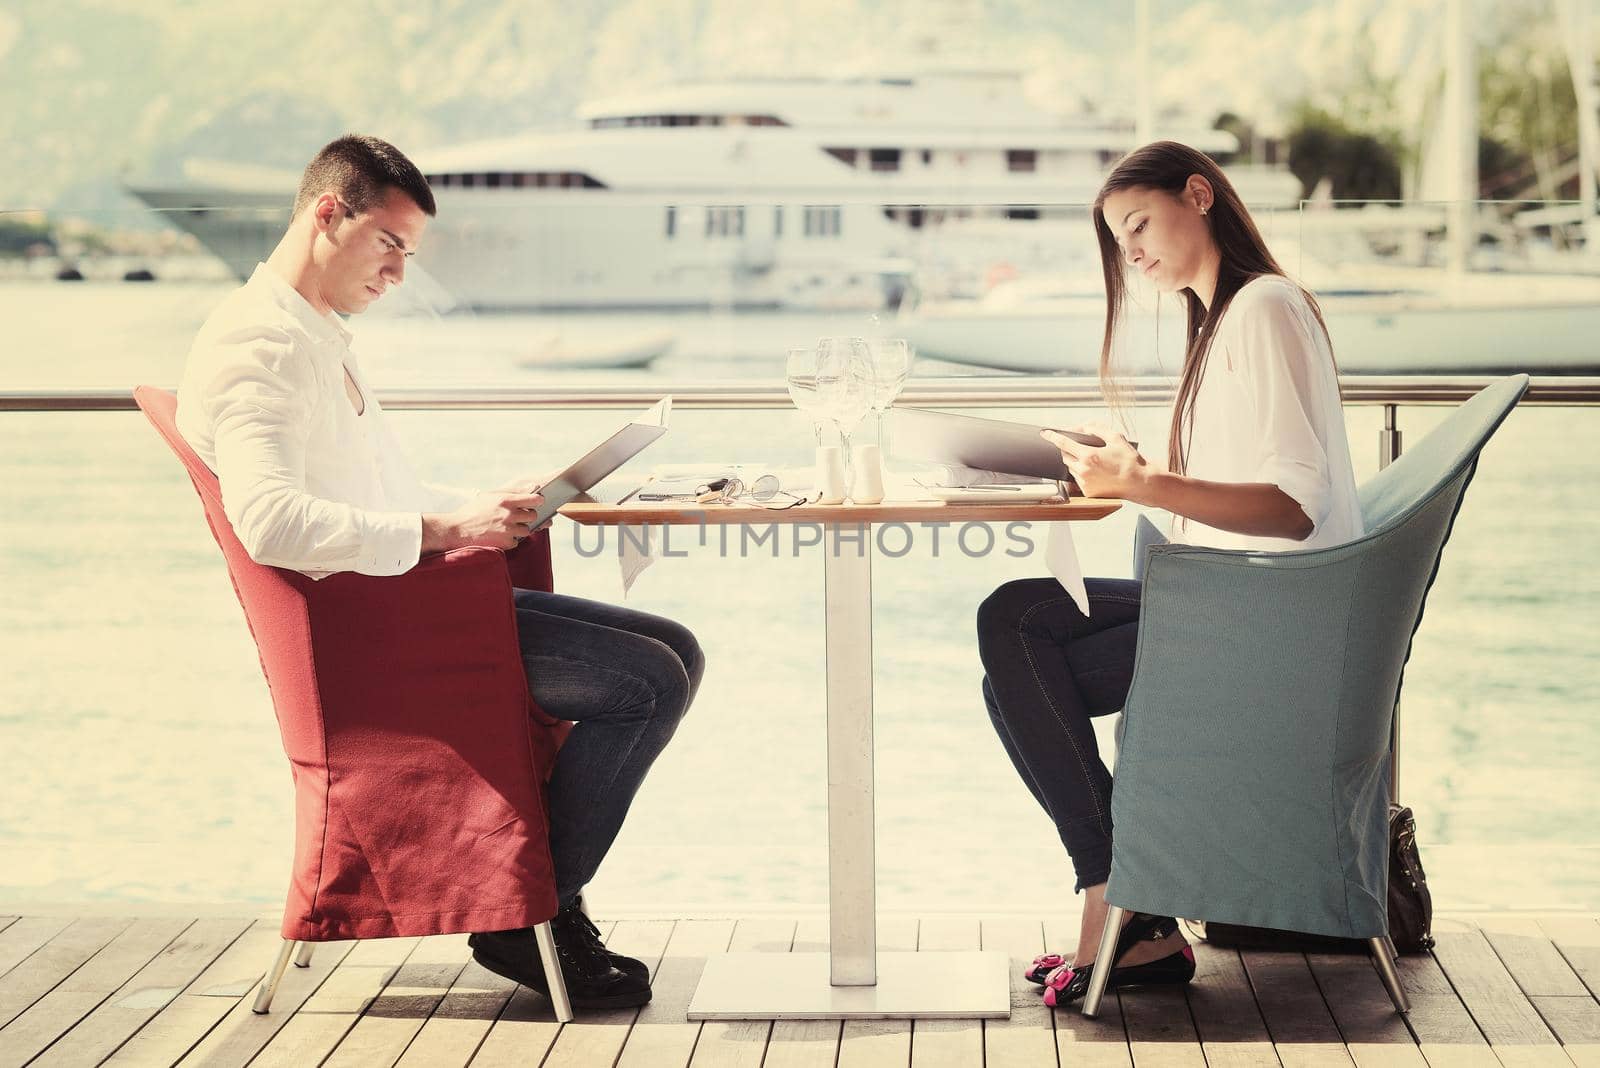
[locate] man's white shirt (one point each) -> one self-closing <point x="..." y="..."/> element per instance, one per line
<point x="307" y="482"/>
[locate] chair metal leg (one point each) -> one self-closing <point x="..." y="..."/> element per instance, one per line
<point x="552" y="972"/>
<point x="1383" y="957"/>
<point x="302" y="959"/>
<point x="269" y="984"/>
<point x="1104" y="960"/>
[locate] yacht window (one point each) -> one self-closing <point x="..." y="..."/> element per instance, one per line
<point x="724" y="222"/>
<point x="777" y="222"/>
<point x="843" y="155"/>
<point x="672" y="221"/>
<point x="1022" y="159"/>
<point x="884" y="159"/>
<point x="822" y="221"/>
<point x="927" y="157"/>
<point x="1022" y="213"/>
<point x="517" y="180"/>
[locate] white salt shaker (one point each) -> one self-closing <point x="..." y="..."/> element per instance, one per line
<point x="830" y="474"/>
<point x="868" y="488"/>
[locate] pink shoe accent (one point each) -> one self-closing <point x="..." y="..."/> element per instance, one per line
<point x="1055" y="981"/>
<point x="1188" y="951"/>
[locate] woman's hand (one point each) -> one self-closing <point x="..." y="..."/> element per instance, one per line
<point x="1114" y="470"/>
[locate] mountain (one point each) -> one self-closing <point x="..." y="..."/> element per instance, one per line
<point x="98" y="90"/>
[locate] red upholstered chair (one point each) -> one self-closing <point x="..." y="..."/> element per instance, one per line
<point x="419" y="758"/>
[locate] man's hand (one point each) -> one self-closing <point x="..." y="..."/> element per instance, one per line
<point x="497" y="519"/>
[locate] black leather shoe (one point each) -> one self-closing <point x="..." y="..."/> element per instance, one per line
<point x="1064" y="985"/>
<point x="591" y="980"/>
<point x="572" y="925"/>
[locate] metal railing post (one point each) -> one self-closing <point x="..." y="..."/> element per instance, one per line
<point x="1388" y="453"/>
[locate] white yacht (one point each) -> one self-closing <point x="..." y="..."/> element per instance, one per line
<point x="781" y="192"/>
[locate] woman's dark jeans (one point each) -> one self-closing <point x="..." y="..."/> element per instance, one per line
<point x="626" y="678"/>
<point x="1048" y="671"/>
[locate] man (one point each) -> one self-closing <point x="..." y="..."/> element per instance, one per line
<point x="313" y="479"/>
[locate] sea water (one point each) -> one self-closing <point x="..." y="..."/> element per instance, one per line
<point x="142" y="761"/>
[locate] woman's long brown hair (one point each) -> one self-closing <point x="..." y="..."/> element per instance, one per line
<point x="1166" y="166"/>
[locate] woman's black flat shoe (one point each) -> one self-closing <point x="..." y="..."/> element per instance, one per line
<point x="1039" y="971"/>
<point x="1063" y="985"/>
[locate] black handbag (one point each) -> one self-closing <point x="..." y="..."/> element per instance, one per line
<point x="1410" y="906"/>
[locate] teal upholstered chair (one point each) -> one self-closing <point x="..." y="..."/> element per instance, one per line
<point x="1252" y="783"/>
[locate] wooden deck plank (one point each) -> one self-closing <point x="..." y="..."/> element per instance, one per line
<point x="1576" y="1022"/>
<point x="54" y="957"/>
<point x="1226" y="1016"/>
<point x="169" y="1035"/>
<point x="662" y="1036"/>
<point x="1161" y="1032"/>
<point x="1028" y="1037"/>
<point x="150" y="990"/>
<point x="463" y="1017"/>
<point x="1513" y="993"/>
<point x="28" y="933"/>
<point x="947" y="1043"/>
<point x="741" y="1043"/>
<point x="394" y="1017"/>
<point x="871" y="1043"/>
<point x="1490" y="994"/>
<point x="1577" y="939"/>
<point x="597" y="1038"/>
<point x="1374" y="1033"/>
<point x="805" y="1043"/>
<point x="77" y="995"/>
<point x="1082" y="1042"/>
<point x="242" y="1034"/>
<point x="320" y="1023"/>
<point x="1297" y="1018"/>
<point x="1444" y="1030"/>
<point x="1531" y="958"/>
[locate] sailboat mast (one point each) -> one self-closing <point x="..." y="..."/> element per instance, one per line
<point x="1580" y="60"/>
<point x="1461" y="133"/>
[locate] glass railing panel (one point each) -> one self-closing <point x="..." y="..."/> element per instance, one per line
<point x="153" y="770"/>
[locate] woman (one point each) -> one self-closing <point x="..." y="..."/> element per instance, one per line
<point x="1257" y="458"/>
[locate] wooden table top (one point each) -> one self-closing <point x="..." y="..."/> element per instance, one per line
<point x="655" y="513"/>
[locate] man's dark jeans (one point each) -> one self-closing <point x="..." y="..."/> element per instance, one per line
<point x="1048" y="670"/>
<point x="626" y="678"/>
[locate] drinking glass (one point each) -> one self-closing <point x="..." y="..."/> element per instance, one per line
<point x="891" y="365"/>
<point x="845" y="384"/>
<point x="800" y="367"/>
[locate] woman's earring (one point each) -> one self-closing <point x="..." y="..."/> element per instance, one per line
<point x="1202" y="209"/>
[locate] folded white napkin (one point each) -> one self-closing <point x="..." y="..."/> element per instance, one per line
<point x="634" y="554"/>
<point x="1061" y="557"/>
<point x="959" y="475"/>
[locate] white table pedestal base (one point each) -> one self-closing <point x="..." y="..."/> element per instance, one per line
<point x="795" y="986"/>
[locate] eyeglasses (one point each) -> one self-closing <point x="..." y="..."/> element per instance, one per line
<point x="764" y="492"/>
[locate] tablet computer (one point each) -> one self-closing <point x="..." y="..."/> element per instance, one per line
<point x="971" y="441"/>
<point x="588" y="470"/>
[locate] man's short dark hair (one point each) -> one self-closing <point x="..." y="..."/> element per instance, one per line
<point x="362" y="170"/>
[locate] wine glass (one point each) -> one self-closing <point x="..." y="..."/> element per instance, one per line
<point x="891" y="365"/>
<point x="845" y="384"/>
<point x="800" y="367"/>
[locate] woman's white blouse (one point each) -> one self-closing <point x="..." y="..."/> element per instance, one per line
<point x="1267" y="410"/>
